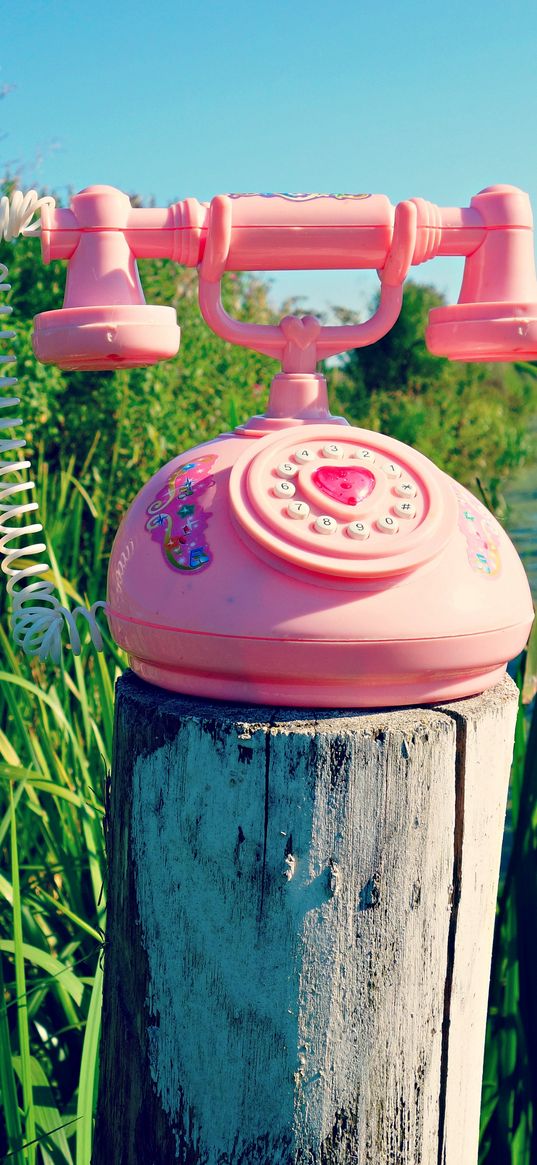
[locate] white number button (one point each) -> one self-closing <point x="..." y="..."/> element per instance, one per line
<point x="298" y="510"/>
<point x="405" y="509"/>
<point x="405" y="489"/>
<point x="287" y="470"/>
<point x="388" y="525"/>
<point x="325" y="525"/>
<point x="391" y="469"/>
<point x="304" y="455"/>
<point x="284" y="489"/>
<point x="332" y="451"/>
<point x="365" y="455"/>
<point x="359" y="530"/>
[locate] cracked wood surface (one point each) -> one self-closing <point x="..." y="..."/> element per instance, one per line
<point x="301" y="907"/>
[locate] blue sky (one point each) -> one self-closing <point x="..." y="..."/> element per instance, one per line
<point x="170" y="100"/>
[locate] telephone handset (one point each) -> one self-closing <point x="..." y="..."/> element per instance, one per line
<point x="298" y="560"/>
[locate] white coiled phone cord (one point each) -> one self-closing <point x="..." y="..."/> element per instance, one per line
<point x="37" y="617"/>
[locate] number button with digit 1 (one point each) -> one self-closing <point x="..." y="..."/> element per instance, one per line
<point x="325" y="525"/>
<point x="304" y="455"/>
<point x="298" y="510"/>
<point x="391" y="469"/>
<point x="358" y="530"/>
<point x="284" y="489"/>
<point x="388" y="525"/>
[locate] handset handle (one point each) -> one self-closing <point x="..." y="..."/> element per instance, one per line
<point x="300" y="343"/>
<point x="269" y="232"/>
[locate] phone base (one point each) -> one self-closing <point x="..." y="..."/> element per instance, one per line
<point x="364" y="692"/>
<point x="380" y="583"/>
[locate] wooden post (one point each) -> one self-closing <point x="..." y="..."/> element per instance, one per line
<point x="300" y="927"/>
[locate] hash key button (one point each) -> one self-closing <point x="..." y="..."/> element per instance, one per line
<point x="405" y="509"/>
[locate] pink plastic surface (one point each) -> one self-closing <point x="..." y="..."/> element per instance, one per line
<point x="496" y="315"/>
<point x="105" y="322"/>
<point x="272" y="231"/>
<point x="214" y="590"/>
<point x="300" y="560"/>
<point x="299" y="343"/>
<point x="106" y="338"/>
<point x="102" y="236"/>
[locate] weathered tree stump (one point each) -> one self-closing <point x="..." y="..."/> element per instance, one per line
<point x="301" y="909"/>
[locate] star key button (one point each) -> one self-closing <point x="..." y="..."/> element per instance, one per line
<point x="405" y="489"/>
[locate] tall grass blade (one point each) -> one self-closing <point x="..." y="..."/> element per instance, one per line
<point x="8" y="1083"/>
<point x="53" y="966"/>
<point x="50" y="1129"/>
<point x="22" y="1002"/>
<point x="89" y="1072"/>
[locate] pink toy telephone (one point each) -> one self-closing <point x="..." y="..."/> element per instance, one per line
<point x="300" y="560"/>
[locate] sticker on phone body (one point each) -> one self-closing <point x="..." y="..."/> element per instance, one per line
<point x="177" y="518"/>
<point x="480" y="530"/>
<point x="298" y="197"/>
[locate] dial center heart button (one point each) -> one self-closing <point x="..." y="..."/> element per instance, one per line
<point x="348" y="484"/>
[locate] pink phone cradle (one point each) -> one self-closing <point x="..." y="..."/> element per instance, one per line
<point x="299" y="560"/>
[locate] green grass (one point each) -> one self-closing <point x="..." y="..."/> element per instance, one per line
<point x="508" y="1134"/>
<point x="55" y="750"/>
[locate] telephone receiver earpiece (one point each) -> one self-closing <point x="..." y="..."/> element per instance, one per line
<point x="105" y="323"/>
<point x="496" y="314"/>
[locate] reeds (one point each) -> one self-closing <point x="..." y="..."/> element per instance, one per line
<point x="508" y="1133"/>
<point x="55" y="748"/>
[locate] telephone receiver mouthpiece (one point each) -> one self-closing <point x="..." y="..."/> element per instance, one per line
<point x="496" y="314"/>
<point x="105" y="323"/>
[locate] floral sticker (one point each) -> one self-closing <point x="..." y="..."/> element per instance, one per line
<point x="177" y="518"/>
<point x="481" y="531"/>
